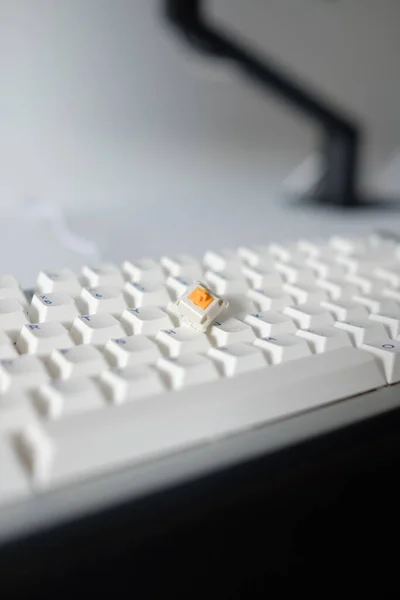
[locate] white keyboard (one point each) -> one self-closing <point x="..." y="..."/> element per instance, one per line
<point x="99" y="376"/>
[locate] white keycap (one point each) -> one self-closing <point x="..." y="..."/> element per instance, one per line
<point x="369" y="264"/>
<point x="301" y="292"/>
<point x="337" y="288"/>
<point x="188" y="369"/>
<point x="286" y="252"/>
<point x="42" y="338"/>
<point x="58" y="399"/>
<point x="256" y="256"/>
<point x="230" y="331"/>
<point x="14" y="483"/>
<point x="16" y="411"/>
<point x="182" y="340"/>
<point x="270" y="323"/>
<point x="57" y="306"/>
<point x="391" y="321"/>
<point x="293" y="272"/>
<point x="238" y="358"/>
<point x="131" y="350"/>
<point x="345" y="310"/>
<point x="224" y="260"/>
<point x="5" y="377"/>
<point x="96" y="329"/>
<point x="10" y="288"/>
<point x="274" y="298"/>
<point x="7" y="348"/>
<point x="182" y="265"/>
<point x="262" y="277"/>
<point x="309" y="315"/>
<point x="37" y="452"/>
<point x="240" y="305"/>
<point x="173" y="312"/>
<point x="177" y="286"/>
<point x="388" y="352"/>
<point x="283" y="348"/>
<point x="144" y="270"/>
<point x="348" y="245"/>
<point x="326" y="269"/>
<point x="107" y="440"/>
<point x="393" y="294"/>
<point x="147" y="320"/>
<point x="226" y="283"/>
<point x="63" y="280"/>
<point x="366" y="264"/>
<point x="12" y="317"/>
<point x="22" y="373"/>
<point x="79" y="361"/>
<point x="102" y="300"/>
<point x="316" y="249"/>
<point x="105" y="275"/>
<point x="376" y="303"/>
<point x="367" y="284"/>
<point x="390" y="275"/>
<point x="325" y="339"/>
<point x="363" y="330"/>
<point x="309" y="247"/>
<point x="132" y="383"/>
<point x="148" y="294"/>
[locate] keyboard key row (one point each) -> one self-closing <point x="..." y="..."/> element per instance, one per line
<point x="61" y="327"/>
<point x="58" y="326"/>
<point x="271" y="289"/>
<point x="298" y="262"/>
<point x="28" y="372"/>
<point x="57" y="399"/>
<point x="55" y="452"/>
<point x="80" y="393"/>
<point x="64" y="309"/>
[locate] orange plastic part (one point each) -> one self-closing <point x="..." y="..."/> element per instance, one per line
<point x="201" y="298"/>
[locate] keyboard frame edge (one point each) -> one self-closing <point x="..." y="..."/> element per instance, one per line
<point x="58" y="507"/>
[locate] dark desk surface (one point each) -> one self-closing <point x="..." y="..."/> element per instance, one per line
<point x="323" y="513"/>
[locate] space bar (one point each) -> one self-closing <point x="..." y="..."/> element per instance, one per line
<point x="118" y="436"/>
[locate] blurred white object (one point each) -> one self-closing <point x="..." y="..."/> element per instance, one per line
<point x="48" y="243"/>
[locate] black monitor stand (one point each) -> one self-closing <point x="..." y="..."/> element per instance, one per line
<point x="339" y="184"/>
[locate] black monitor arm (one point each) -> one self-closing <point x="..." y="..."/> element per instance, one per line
<point x="339" y="183"/>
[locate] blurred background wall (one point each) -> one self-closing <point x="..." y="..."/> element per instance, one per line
<point x="107" y="120"/>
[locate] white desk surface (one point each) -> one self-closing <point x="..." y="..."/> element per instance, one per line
<point x="30" y="243"/>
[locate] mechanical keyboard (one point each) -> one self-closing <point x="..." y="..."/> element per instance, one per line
<point x="108" y="392"/>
